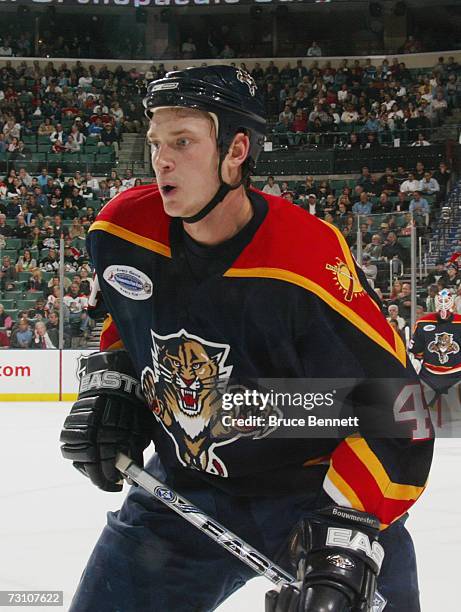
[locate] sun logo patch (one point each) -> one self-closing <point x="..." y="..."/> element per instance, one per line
<point x="346" y="280"/>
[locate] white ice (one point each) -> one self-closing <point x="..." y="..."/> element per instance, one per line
<point x="50" y="516"/>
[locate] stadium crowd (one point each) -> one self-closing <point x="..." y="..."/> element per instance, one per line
<point x="52" y="113"/>
<point x="36" y="212"/>
<point x="368" y="105"/>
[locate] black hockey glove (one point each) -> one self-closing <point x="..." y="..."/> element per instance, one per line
<point x="109" y="416"/>
<point x="337" y="559"/>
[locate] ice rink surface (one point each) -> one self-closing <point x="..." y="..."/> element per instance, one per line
<point x="50" y="516"/>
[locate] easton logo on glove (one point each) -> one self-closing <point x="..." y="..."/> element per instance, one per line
<point x="355" y="540"/>
<point x="110" y="380"/>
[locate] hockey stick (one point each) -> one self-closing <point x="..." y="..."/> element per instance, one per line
<point x="214" y="530"/>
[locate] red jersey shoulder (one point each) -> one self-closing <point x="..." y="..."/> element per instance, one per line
<point x="429" y="317"/>
<point x="294" y="246"/>
<point x="138" y="210"/>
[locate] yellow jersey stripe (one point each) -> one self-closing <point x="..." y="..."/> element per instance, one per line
<point x="389" y="489"/>
<point x="129" y="236"/>
<point x="343" y="309"/>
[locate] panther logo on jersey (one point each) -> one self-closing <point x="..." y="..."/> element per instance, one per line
<point x="443" y="346"/>
<point x="184" y="390"/>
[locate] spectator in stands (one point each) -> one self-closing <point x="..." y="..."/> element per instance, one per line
<point x="5" y="320"/>
<point x="374" y="248"/>
<point x="363" y="206"/>
<point x="393" y="311"/>
<point x="5" y="230"/>
<point x="287" y="114"/>
<point x="8" y="274"/>
<point x="430" y="300"/>
<point x="314" y="50"/>
<point x="365" y="179"/>
<point x="404" y="303"/>
<point x="86" y="282"/>
<point x="439" y="272"/>
<point x="46" y="128"/>
<point x="271" y="187"/>
<point x="36" y="282"/>
<point x="71" y="145"/>
<point x="21" y="230"/>
<point x="43" y="178"/>
<point x="453" y="276"/>
<point x="77" y="304"/>
<point x="21" y="336"/>
<point x="188" y="49"/>
<point x="391" y="186"/>
<point x="58" y="135"/>
<point x="11" y="129"/>
<point x="392" y="248"/>
<point x="44" y="338"/>
<point x="76" y="230"/>
<point x="442" y="176"/>
<point x="429" y="185"/>
<point x="419" y="204"/>
<point x="420" y="141"/>
<point x="129" y="180"/>
<point x="108" y="137"/>
<point x="26" y="263"/>
<point x="227" y="52"/>
<point x="369" y="269"/>
<point x="410" y="185"/>
<point x="49" y="262"/>
<point x="439" y="106"/>
<point x="13" y="208"/>
<point x="69" y="210"/>
<point x="383" y="205"/>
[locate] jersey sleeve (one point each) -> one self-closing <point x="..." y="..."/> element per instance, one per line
<point x="382" y="469"/>
<point x="416" y="345"/>
<point x="110" y="338"/>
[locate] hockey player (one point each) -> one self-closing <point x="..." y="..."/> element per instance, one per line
<point x="436" y="342"/>
<point x="205" y="278"/>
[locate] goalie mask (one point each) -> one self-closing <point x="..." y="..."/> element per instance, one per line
<point x="230" y="96"/>
<point x="444" y="303"/>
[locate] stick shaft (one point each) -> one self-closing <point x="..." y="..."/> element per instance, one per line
<point x="214" y="530"/>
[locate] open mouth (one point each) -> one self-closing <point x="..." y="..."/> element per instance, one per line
<point x="168" y="189"/>
<point x="189" y="401"/>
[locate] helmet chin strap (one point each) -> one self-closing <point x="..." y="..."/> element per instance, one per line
<point x="218" y="197"/>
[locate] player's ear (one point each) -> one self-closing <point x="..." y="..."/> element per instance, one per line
<point x="237" y="154"/>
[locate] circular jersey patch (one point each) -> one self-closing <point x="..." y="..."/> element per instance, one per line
<point x="128" y="281"/>
<point x="429" y="327"/>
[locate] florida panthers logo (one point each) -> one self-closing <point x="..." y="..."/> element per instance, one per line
<point x="443" y="346"/>
<point x="184" y="390"/>
<point x="244" y="77"/>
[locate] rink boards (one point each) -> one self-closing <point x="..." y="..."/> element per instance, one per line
<point x="52" y="375"/>
<point x="35" y="375"/>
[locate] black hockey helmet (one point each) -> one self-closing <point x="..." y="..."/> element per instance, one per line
<point x="228" y="94"/>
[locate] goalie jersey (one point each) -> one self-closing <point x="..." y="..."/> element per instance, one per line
<point x="281" y="299"/>
<point x="437" y="343"/>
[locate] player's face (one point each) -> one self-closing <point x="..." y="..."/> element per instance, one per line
<point x="184" y="158"/>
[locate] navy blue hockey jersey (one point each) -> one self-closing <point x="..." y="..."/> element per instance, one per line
<point x="289" y="304"/>
<point x="437" y="343"/>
